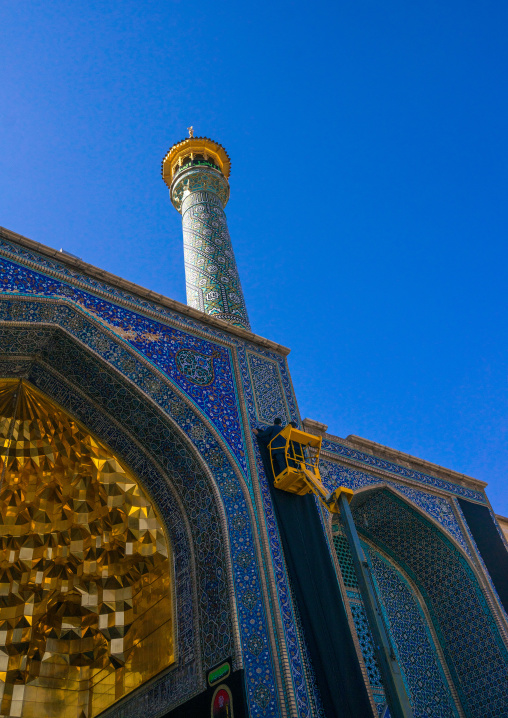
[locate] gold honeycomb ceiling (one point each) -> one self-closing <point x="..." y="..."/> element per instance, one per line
<point x="85" y="590"/>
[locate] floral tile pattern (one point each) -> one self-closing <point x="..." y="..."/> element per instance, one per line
<point x="439" y="508"/>
<point x="177" y="400"/>
<point x="202" y="370"/>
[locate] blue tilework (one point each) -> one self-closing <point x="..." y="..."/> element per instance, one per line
<point x="213" y="284"/>
<point x="477" y="657"/>
<point x="114" y="354"/>
<point x="306" y="693"/>
<point x="428" y="689"/>
<point x="105" y="388"/>
<point x="158" y="342"/>
<point x="335" y="447"/>
<point x="439" y="508"/>
<point x="367" y="647"/>
<point x="366" y="642"/>
<point x="53" y="268"/>
<point x="261" y="690"/>
<point x="355" y="602"/>
<point x="268" y="392"/>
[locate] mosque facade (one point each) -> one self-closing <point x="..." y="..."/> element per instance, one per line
<point x="146" y="566"/>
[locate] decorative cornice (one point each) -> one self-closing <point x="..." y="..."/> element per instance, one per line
<point x="314" y="427"/>
<point x="194" y="145"/>
<point x="139" y="292"/>
<point x="379" y="451"/>
<point x="412" y="462"/>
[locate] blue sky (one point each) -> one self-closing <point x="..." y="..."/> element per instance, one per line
<point x="368" y="202"/>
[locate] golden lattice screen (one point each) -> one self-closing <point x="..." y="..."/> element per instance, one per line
<point x="85" y="589"/>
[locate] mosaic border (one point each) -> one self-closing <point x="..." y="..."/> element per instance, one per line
<point x="347" y="452"/>
<point x="256" y="656"/>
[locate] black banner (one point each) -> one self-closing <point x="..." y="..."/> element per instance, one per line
<point x="223" y="698"/>
<point x="320" y="603"/>
<point x="490" y="545"/>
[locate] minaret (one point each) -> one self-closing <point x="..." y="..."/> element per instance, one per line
<point x="196" y="170"/>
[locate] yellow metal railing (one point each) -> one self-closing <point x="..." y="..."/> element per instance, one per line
<point x="300" y="474"/>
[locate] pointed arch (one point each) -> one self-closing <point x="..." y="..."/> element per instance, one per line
<point x="170" y="470"/>
<point x="361" y="492"/>
<point x="447" y="581"/>
<point x="87" y="579"/>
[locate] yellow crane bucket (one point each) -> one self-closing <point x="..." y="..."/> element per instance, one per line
<point x="300" y="474"/>
<point x="301" y="458"/>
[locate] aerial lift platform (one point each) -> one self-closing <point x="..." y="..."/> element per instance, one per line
<point x="301" y="476"/>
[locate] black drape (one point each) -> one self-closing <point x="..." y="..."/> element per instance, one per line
<point x="490" y="545"/>
<point x="317" y="594"/>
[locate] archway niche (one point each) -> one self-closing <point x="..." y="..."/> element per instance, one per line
<point x="476" y="659"/>
<point x="85" y="567"/>
<point x="147" y="441"/>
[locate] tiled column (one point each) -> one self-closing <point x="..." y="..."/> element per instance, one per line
<point x="196" y="171"/>
<point x="213" y="284"/>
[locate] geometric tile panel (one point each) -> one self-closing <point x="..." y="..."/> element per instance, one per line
<point x="477" y="658"/>
<point x="439" y="508"/>
<point x="345" y="559"/>
<point x="423" y="674"/>
<point x="268" y="390"/>
<point x="366" y="643"/>
<point x="356" y="605"/>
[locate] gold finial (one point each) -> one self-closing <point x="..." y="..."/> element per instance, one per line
<point x="191" y="131"/>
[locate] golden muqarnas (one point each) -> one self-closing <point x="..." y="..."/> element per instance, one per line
<point x="85" y="589"/>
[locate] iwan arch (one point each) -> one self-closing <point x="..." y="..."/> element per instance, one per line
<point x="141" y="531"/>
<point x="155" y="453"/>
<point x="87" y="609"/>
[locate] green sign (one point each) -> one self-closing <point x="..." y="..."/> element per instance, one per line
<point x="219" y="674"/>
